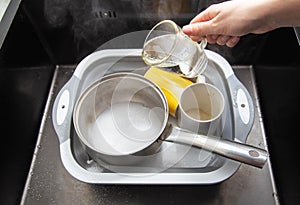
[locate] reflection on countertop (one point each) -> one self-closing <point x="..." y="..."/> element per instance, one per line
<point x="3" y="6"/>
<point x="8" y="9"/>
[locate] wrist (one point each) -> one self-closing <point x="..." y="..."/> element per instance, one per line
<point x="282" y="13"/>
<point x="266" y="15"/>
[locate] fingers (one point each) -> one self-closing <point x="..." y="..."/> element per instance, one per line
<point x="205" y="15"/>
<point x="203" y="26"/>
<point x="196" y="38"/>
<point x="198" y="29"/>
<point x="212" y="38"/>
<point x="222" y="40"/>
<point x="233" y="41"/>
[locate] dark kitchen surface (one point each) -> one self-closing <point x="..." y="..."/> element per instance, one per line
<point x="25" y="78"/>
<point x="71" y="29"/>
<point x="280" y="102"/>
<point x="49" y="33"/>
<point x="277" y="76"/>
<point x="23" y="95"/>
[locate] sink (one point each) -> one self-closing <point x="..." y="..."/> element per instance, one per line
<point x="33" y="48"/>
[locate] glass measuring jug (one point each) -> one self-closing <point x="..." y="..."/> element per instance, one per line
<point x="167" y="46"/>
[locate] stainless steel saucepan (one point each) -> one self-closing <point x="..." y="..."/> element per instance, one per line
<point x="124" y="116"/>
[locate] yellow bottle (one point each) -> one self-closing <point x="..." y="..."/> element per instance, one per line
<point x="172" y="85"/>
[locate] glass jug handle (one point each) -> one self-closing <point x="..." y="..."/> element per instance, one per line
<point x="203" y="43"/>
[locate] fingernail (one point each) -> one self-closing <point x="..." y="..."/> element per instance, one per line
<point x="188" y="29"/>
<point x="214" y="37"/>
<point x="234" y="40"/>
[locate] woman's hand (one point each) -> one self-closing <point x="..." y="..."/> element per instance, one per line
<point x="226" y="22"/>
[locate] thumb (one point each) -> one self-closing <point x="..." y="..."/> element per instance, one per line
<point x="198" y="29"/>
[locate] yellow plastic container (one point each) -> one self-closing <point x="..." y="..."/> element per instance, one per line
<point x="172" y="85"/>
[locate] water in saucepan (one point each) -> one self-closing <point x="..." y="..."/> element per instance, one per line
<point x="125" y="128"/>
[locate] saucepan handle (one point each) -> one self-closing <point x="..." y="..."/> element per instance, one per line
<point x="230" y="149"/>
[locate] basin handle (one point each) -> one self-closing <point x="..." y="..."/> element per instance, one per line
<point x="63" y="109"/>
<point x="243" y="108"/>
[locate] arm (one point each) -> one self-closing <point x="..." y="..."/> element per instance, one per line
<point x="226" y="22"/>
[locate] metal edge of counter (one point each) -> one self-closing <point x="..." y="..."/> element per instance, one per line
<point x="38" y="142"/>
<point x="256" y="100"/>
